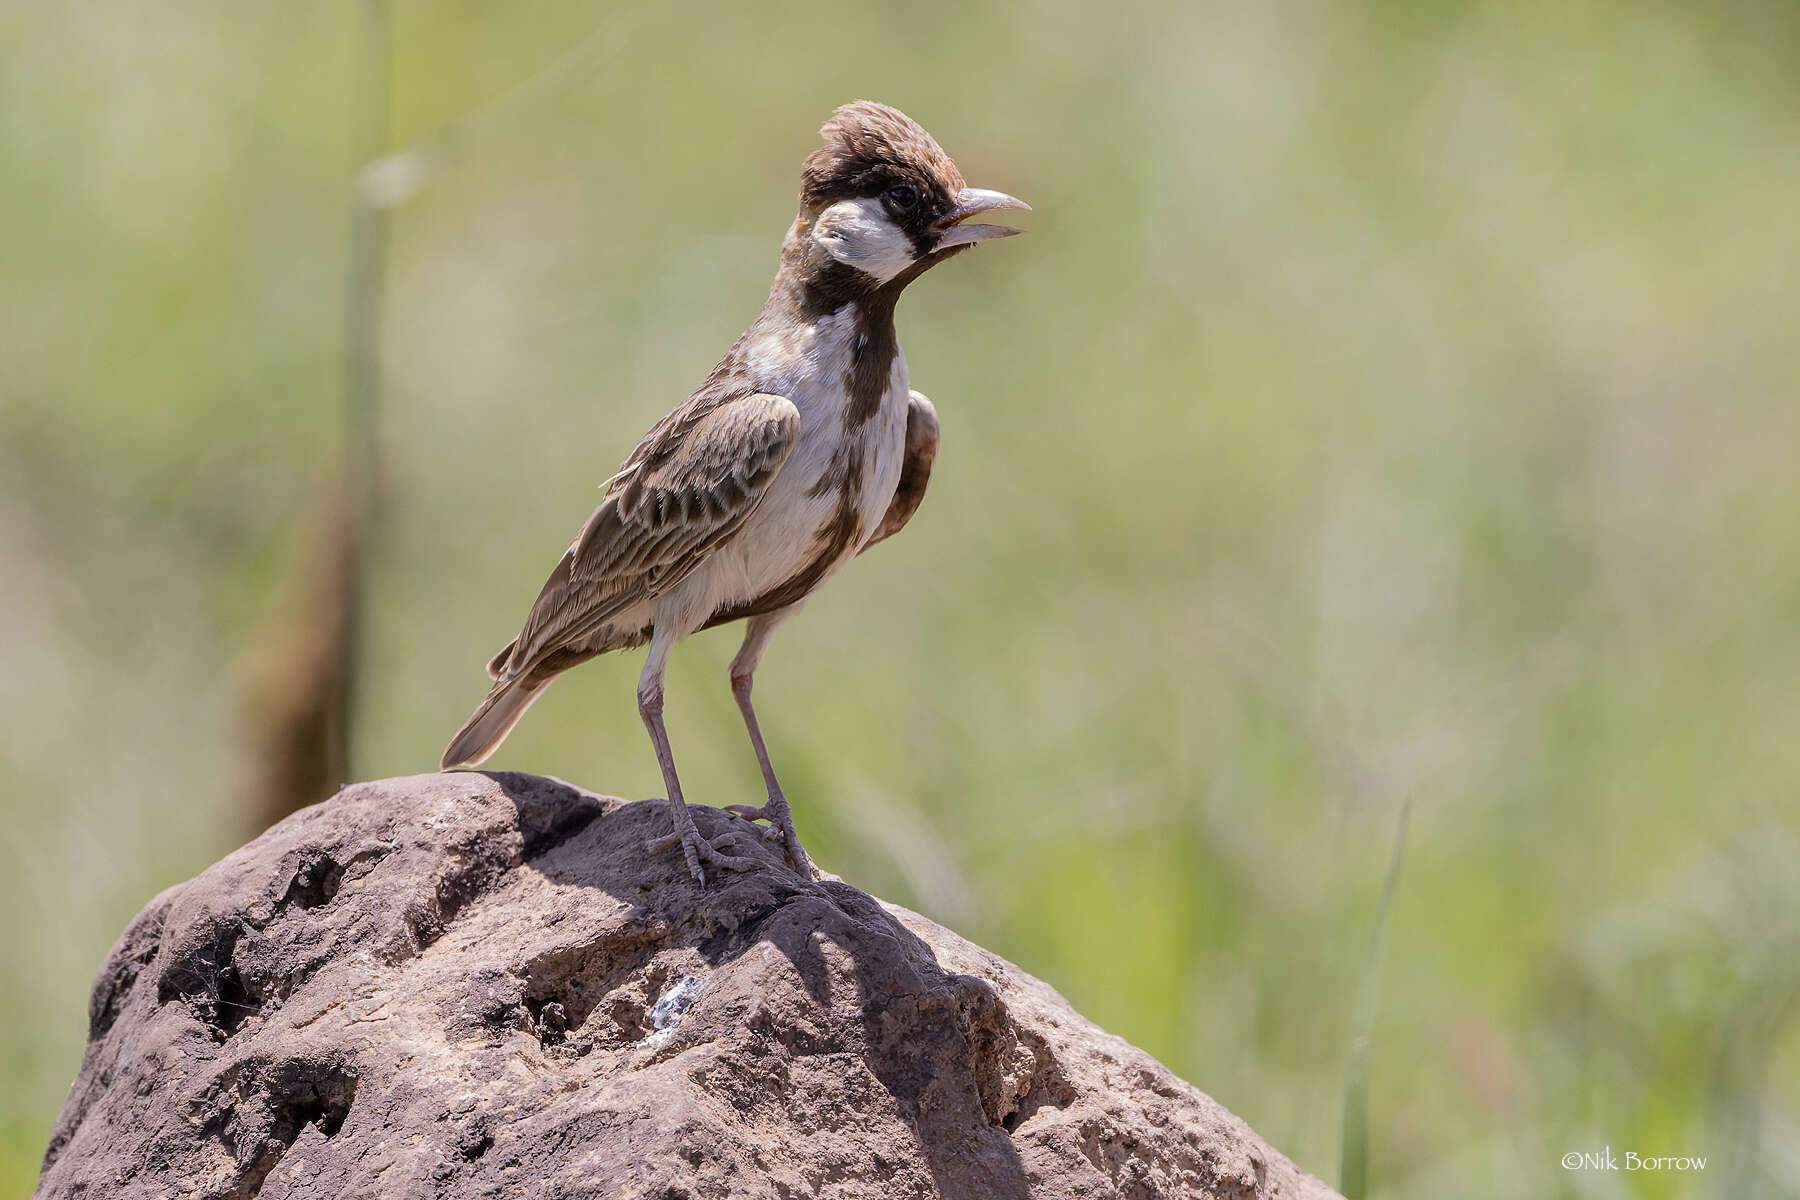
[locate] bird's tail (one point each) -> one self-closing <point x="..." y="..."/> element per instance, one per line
<point x="490" y="724"/>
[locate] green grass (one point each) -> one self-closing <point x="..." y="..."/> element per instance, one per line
<point x="1353" y="1154"/>
<point x="1388" y="401"/>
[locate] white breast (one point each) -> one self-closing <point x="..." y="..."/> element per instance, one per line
<point x="781" y="539"/>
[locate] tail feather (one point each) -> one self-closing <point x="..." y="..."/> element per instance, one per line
<point x="497" y="665"/>
<point x="490" y="724"/>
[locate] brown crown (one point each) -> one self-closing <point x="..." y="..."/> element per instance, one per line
<point x="870" y="147"/>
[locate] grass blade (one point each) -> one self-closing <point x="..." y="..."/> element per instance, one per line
<point x="1353" y="1163"/>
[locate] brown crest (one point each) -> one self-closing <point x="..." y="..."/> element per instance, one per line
<point x="870" y="148"/>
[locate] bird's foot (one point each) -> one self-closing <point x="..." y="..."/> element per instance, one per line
<point x="781" y="829"/>
<point x="768" y="833"/>
<point x="702" y="852"/>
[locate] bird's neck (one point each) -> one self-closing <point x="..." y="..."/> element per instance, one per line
<point x="812" y="285"/>
<point x="812" y="288"/>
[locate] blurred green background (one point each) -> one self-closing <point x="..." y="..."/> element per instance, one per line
<point x="1389" y="402"/>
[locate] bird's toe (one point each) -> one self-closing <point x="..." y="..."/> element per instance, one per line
<point x="701" y="851"/>
<point x="712" y="852"/>
<point x="773" y="834"/>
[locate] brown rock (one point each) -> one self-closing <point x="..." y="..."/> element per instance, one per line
<point x="476" y="985"/>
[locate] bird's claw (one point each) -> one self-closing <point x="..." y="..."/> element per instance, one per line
<point x="780" y="831"/>
<point x="770" y="833"/>
<point x="702" y="852"/>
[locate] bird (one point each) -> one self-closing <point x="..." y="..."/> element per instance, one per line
<point x="804" y="447"/>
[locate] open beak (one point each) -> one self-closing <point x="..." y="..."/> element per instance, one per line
<point x="951" y="230"/>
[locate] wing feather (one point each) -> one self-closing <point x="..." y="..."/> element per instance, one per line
<point x="915" y="468"/>
<point x="686" y="489"/>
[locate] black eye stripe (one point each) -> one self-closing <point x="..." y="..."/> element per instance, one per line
<point x="902" y="196"/>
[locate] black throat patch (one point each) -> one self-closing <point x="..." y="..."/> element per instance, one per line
<point x="872" y="355"/>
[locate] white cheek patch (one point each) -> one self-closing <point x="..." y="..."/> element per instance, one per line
<point x="858" y="233"/>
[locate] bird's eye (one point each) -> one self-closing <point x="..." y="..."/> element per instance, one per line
<point x="901" y="197"/>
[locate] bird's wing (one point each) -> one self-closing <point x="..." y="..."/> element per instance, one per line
<point x="689" y="485"/>
<point x="915" y="469"/>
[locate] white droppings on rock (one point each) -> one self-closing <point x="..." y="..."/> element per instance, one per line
<point x="671" y="1006"/>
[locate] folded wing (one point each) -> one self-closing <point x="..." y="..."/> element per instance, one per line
<point x="915" y="468"/>
<point x="687" y="488"/>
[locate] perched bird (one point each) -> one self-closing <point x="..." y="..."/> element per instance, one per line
<point x="803" y="448"/>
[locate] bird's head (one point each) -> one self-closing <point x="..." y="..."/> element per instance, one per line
<point x="882" y="197"/>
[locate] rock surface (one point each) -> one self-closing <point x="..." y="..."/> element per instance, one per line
<point x="475" y="985"/>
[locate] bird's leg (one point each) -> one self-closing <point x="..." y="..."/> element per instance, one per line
<point x="694" y="848"/>
<point x="776" y="812"/>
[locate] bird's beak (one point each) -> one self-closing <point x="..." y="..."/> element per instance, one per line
<point x="951" y="230"/>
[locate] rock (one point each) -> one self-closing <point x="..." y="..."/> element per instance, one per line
<point x="476" y="985"/>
